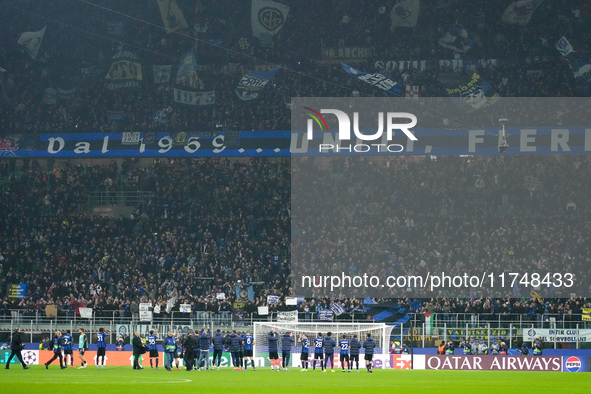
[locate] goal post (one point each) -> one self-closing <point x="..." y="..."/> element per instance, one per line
<point x="379" y="331"/>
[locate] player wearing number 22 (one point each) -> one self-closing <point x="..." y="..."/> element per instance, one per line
<point x="344" y="347"/>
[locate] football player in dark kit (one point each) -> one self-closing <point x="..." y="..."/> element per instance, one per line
<point x="204" y="342"/>
<point x="287" y="342"/>
<point x="318" y="351"/>
<point x="16" y="346"/>
<point x="329" y="345"/>
<point x="153" y="348"/>
<point x="369" y="344"/>
<point x="67" y="348"/>
<point x="218" y="348"/>
<point x="344" y="347"/>
<point x="248" y="342"/>
<point x="354" y="346"/>
<point x="272" y="339"/>
<point x="305" y="349"/>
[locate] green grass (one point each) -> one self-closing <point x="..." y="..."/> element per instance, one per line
<point x="126" y="380"/>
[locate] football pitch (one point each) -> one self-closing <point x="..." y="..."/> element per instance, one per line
<point x="125" y="380"/>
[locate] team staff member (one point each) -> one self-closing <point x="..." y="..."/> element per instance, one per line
<point x="369" y="344"/>
<point x="218" y="348"/>
<point x="344" y="347"/>
<point x="101" y="350"/>
<point x="248" y="343"/>
<point x="354" y="346"/>
<point x="189" y="345"/>
<point x="287" y="342"/>
<point x="138" y="349"/>
<point x="16" y="346"/>
<point x="57" y="350"/>
<point x="329" y="345"/>
<point x="153" y="348"/>
<point x="82" y="347"/>
<point x="305" y="351"/>
<point x="169" y="349"/>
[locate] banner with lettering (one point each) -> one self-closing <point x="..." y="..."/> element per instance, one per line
<point x="251" y="84"/>
<point x="378" y="80"/>
<point x="194" y="98"/>
<point x="557" y="335"/>
<point x="267" y="18"/>
<point x="125" y="71"/>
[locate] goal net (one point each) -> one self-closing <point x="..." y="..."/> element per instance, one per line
<point x="379" y="331"/>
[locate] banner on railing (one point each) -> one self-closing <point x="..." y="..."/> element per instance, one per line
<point x="146" y="311"/>
<point x="586" y="314"/>
<point x="557" y="335"/>
<point x="17" y="290"/>
<point x="287" y="317"/>
<point x="477" y="333"/>
<point x="85" y="313"/>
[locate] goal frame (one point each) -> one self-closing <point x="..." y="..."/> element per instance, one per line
<point x="385" y="329"/>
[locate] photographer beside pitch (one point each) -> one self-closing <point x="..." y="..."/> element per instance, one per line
<point x="16" y="346"/>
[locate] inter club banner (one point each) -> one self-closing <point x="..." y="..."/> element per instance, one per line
<point x="172" y="16"/>
<point x="267" y="18"/>
<point x="251" y="84"/>
<point x="31" y="41"/>
<point x="125" y="71"/>
<point x="378" y="80"/>
<point x="557" y="335"/>
<point x="405" y="14"/>
<point x="520" y="12"/>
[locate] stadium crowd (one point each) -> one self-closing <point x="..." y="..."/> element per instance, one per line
<point x="213" y="225"/>
<point x="526" y="62"/>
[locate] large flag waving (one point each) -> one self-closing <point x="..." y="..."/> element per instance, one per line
<point x="520" y="12"/>
<point x="405" y="14"/>
<point x="125" y="71"/>
<point x="254" y="82"/>
<point x="31" y="40"/>
<point x="172" y="16"/>
<point x="267" y="19"/>
<point x="378" y="80"/>
<point x="387" y="312"/>
<point x="190" y="88"/>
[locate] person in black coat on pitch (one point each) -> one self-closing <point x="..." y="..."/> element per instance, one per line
<point x="138" y="349"/>
<point x="16" y="346"/>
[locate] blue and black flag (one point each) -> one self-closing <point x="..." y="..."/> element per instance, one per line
<point x="387" y="312"/>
